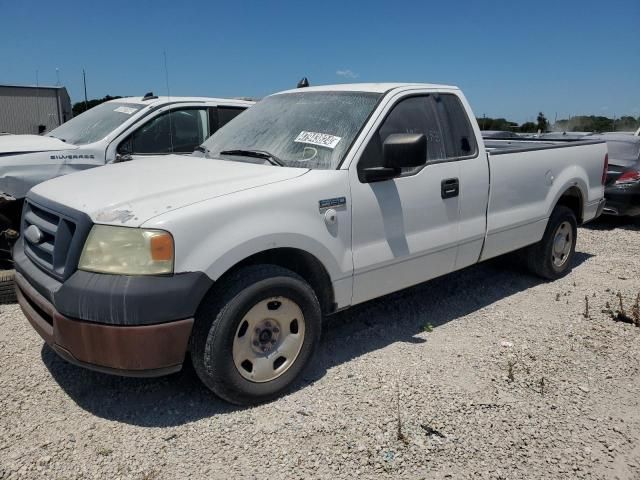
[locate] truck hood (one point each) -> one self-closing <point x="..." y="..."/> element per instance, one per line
<point x="131" y="193"/>
<point x="11" y="144"/>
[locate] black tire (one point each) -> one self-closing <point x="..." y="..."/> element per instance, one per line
<point x="539" y="257"/>
<point x="7" y="287"/>
<point x="217" y="321"/>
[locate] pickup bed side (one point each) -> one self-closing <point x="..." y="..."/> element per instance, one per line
<point x="527" y="184"/>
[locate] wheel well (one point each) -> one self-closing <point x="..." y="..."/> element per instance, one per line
<point x="11" y="212"/>
<point x="572" y="199"/>
<point x="302" y="263"/>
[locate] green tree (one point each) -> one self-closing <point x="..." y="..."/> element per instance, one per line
<point x="528" y="127"/>
<point x="487" y="123"/>
<point x="597" y="123"/>
<point x="80" y="107"/>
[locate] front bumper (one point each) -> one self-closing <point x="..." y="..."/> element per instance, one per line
<point x="116" y="299"/>
<point x="146" y="351"/>
<point x="125" y="325"/>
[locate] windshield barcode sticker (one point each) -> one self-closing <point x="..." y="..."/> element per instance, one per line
<point x="320" y="139"/>
<point x="127" y="110"/>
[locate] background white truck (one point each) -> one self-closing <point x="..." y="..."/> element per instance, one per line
<point x="314" y="200"/>
<point x="121" y="129"/>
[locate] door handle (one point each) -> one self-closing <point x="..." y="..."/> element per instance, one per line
<point x="450" y="188"/>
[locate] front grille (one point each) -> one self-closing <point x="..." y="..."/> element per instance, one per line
<point x="51" y="252"/>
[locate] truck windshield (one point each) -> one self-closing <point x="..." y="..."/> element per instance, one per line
<point x="300" y="129"/>
<point x="96" y="123"/>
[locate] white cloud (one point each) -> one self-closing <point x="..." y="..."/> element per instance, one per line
<point x="346" y="73"/>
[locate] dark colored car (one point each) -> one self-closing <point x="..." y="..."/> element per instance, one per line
<point x="622" y="188"/>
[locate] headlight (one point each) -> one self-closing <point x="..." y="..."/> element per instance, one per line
<point x="127" y="251"/>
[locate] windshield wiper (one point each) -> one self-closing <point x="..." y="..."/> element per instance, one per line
<point x="271" y="158"/>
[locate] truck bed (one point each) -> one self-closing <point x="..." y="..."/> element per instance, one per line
<point x="499" y="146"/>
<point x="527" y="177"/>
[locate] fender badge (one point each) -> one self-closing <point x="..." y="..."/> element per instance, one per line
<point x="332" y="203"/>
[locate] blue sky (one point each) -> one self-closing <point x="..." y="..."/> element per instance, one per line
<point x="511" y="58"/>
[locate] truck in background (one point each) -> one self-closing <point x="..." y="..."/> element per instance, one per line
<point x="114" y="131"/>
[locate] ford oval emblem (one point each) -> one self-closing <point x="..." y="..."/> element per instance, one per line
<point x="33" y="234"/>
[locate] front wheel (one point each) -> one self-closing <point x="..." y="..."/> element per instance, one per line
<point x="552" y="257"/>
<point x="254" y="333"/>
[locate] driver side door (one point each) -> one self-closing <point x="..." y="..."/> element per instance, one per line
<point x="179" y="130"/>
<point x="405" y="230"/>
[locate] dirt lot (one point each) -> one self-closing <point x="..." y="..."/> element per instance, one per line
<point x="486" y="373"/>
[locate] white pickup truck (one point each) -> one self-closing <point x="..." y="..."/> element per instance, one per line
<point x="312" y="201"/>
<point x="117" y="130"/>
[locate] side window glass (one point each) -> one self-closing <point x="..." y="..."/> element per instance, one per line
<point x="190" y="128"/>
<point x="152" y="137"/>
<point x="226" y="114"/>
<point x="179" y="131"/>
<point x="462" y="141"/>
<point x="412" y="115"/>
<point x="440" y="117"/>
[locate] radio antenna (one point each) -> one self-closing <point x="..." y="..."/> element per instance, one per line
<point x="38" y="103"/>
<point x="84" y="81"/>
<point x="166" y="77"/>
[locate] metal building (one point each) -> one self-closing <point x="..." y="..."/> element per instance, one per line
<point x="31" y="109"/>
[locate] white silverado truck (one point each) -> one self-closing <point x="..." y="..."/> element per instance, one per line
<point x="312" y="201"/>
<point x="114" y="131"/>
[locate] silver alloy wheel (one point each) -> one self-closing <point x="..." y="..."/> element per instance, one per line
<point x="268" y="339"/>
<point x="562" y="242"/>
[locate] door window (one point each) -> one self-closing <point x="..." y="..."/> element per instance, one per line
<point x="440" y="117"/>
<point x="226" y="114"/>
<point x="456" y="124"/>
<point x="176" y="131"/>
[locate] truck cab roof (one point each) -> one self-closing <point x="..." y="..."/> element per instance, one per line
<point x="368" y="87"/>
<point x="159" y="100"/>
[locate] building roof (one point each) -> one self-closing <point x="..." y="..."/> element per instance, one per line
<point x="39" y="87"/>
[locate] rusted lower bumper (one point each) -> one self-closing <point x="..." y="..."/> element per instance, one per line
<point x="141" y="351"/>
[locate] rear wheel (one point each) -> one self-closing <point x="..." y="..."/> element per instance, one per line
<point x="552" y="257"/>
<point x="255" y="333"/>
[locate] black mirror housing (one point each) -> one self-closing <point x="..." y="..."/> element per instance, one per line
<point x="378" y="174"/>
<point x="404" y="150"/>
<point x="126" y="147"/>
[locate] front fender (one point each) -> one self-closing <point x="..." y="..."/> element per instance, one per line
<point x="237" y="253"/>
<point x="214" y="235"/>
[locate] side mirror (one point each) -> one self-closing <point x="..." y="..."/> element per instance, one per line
<point x="120" y="157"/>
<point x="124" y="151"/>
<point x="399" y="150"/>
<point x="404" y="150"/>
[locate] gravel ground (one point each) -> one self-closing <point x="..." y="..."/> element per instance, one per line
<point x="485" y="373"/>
